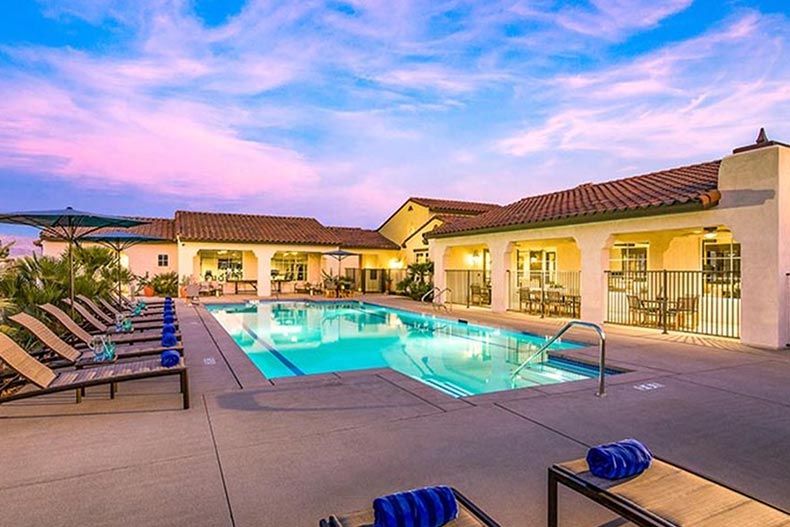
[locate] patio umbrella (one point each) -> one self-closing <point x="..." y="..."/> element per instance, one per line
<point x="68" y="225"/>
<point x="120" y="241"/>
<point x="339" y="255"/>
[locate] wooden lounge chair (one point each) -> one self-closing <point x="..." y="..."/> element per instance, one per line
<point x="665" y="495"/>
<point x="148" y="316"/>
<point x="101" y="327"/>
<point x="71" y="355"/>
<point x="469" y="515"/>
<point x="85" y="336"/>
<point x="129" y="304"/>
<point x="109" y="319"/>
<point x="34" y="378"/>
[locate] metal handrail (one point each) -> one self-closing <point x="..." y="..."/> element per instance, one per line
<point x="426" y="295"/>
<point x="438" y="295"/>
<point x="601" y="351"/>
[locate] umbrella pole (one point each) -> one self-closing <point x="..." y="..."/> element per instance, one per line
<point x="71" y="276"/>
<point x="119" y="280"/>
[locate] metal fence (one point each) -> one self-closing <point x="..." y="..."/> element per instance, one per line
<point x="469" y="287"/>
<point x="375" y="280"/>
<point x="705" y="302"/>
<point x="547" y="293"/>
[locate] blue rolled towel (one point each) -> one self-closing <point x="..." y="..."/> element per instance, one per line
<point x="168" y="329"/>
<point x="170" y="358"/>
<point x="168" y="299"/>
<point x="426" y="507"/>
<point x="622" y="459"/>
<point x="169" y="339"/>
<point x="168" y="311"/>
<point x="168" y="319"/>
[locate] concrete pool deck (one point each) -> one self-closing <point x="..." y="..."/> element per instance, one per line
<point x="252" y="452"/>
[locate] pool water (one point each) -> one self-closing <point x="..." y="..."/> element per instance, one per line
<point x="286" y="339"/>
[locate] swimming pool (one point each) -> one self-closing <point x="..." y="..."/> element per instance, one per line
<point x="285" y="339"/>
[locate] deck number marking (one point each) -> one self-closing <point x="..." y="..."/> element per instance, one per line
<point x="647" y="386"/>
<point x="209" y="361"/>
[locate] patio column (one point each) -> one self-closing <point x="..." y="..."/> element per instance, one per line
<point x="438" y="254"/>
<point x="501" y="256"/>
<point x="594" y="248"/>
<point x="186" y="258"/>
<point x="264" y="257"/>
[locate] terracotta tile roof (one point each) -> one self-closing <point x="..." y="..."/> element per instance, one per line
<point x="362" y="238"/>
<point x="592" y="202"/>
<point x="158" y="227"/>
<point x="250" y="228"/>
<point x="454" y="206"/>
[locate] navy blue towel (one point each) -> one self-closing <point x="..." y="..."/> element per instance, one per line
<point x="426" y="507"/>
<point x="168" y="299"/>
<point x="168" y="340"/>
<point x="168" y="329"/>
<point x="622" y="459"/>
<point x="168" y="319"/>
<point x="170" y="358"/>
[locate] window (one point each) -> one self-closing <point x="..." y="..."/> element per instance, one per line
<point x="289" y="266"/>
<point x="721" y="257"/>
<point x="535" y="267"/>
<point x="420" y="256"/>
<point x="629" y="258"/>
<point x="163" y="260"/>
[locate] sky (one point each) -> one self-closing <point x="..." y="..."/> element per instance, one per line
<point x="340" y="110"/>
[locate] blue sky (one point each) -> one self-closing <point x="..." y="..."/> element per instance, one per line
<point x="341" y="109"/>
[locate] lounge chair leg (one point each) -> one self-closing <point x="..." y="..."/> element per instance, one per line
<point x="112" y="390"/>
<point x="185" y="389"/>
<point x="79" y="394"/>
<point x="553" y="520"/>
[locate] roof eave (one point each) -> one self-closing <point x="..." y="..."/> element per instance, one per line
<point x="706" y="201"/>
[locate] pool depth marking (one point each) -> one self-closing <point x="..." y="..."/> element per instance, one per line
<point x="271" y="349"/>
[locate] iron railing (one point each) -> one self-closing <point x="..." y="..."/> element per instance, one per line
<point x="547" y="293"/>
<point x="470" y="287"/>
<point x="704" y="302"/>
<point x="375" y="280"/>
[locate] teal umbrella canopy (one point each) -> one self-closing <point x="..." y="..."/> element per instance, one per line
<point x="340" y="254"/>
<point x="68" y="225"/>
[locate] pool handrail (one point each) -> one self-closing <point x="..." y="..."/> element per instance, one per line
<point x="601" y="351"/>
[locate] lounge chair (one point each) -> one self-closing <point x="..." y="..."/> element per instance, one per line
<point x="664" y="495"/>
<point x="469" y="515"/>
<point x="85" y="336"/>
<point x="34" y="378"/>
<point x="148" y="315"/>
<point x="129" y="304"/>
<point x="101" y="327"/>
<point x="109" y="318"/>
<point x="71" y="355"/>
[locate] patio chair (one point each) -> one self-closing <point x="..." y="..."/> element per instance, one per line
<point x="71" y="355"/>
<point x="193" y="293"/>
<point x="85" y="335"/>
<point x="639" y="313"/>
<point x="34" y="378"/>
<point x="664" y="495"/>
<point x="110" y="319"/>
<point x="469" y="515"/>
<point x="101" y="327"/>
<point x="479" y="295"/>
<point x="685" y="312"/>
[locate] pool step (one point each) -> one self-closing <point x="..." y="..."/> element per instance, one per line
<point x="446" y="387"/>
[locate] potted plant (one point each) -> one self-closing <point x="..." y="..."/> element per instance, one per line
<point x="144" y="284"/>
<point x="185" y="281"/>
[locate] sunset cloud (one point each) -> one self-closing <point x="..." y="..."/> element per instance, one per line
<point x="295" y="107"/>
